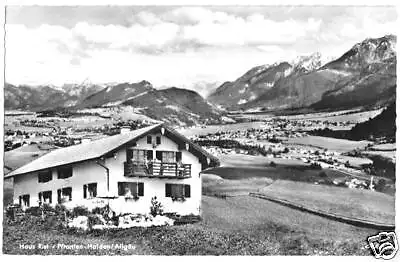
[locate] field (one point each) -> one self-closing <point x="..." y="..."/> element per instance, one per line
<point x="18" y="157"/>
<point x="355" y="203"/>
<point x="334" y="144"/>
<point x="211" y="129"/>
<point x="241" y="160"/>
<point x="337" y="116"/>
<point x="233" y="223"/>
<point x="236" y="226"/>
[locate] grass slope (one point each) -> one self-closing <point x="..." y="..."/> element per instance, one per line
<point x="361" y="204"/>
<point x="234" y="226"/>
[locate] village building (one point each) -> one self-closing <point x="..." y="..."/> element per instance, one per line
<point x="125" y="171"/>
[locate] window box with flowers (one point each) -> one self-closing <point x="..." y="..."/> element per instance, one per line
<point x="178" y="199"/>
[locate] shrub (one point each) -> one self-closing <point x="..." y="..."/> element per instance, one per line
<point x="100" y="210"/>
<point x="80" y="211"/>
<point x="61" y="209"/>
<point x="315" y="166"/>
<point x="48" y="208"/>
<point x="380" y="186"/>
<point x="272" y="164"/>
<point x="286" y="150"/>
<point x="34" y="211"/>
<point x="156" y="207"/>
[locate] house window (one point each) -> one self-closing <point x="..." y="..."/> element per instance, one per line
<point x="64" y="194"/>
<point x="149" y="140"/>
<point x="149" y="154"/>
<point x="45" y="176"/>
<point x="177" y="190"/>
<point x="90" y="190"/>
<point x="158" y="140"/>
<point x="130" y="189"/>
<point x="166" y="156"/>
<point x="64" y="172"/>
<point x="24" y="200"/>
<point x="45" y="197"/>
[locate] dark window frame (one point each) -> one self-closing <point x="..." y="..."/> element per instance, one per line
<point x="136" y="187"/>
<point x="26" y="199"/>
<point x="149" y="139"/>
<point x="45" y="176"/>
<point x="64" y="172"/>
<point x="42" y="196"/>
<point x="61" y="193"/>
<point x="90" y="190"/>
<point x="158" y="140"/>
<point x="172" y="189"/>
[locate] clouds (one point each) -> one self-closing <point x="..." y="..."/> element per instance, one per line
<point x="176" y="46"/>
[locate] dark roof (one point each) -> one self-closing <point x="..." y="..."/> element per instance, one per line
<point x="97" y="149"/>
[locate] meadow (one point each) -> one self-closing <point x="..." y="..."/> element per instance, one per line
<point x="355" y="203"/>
<point x="334" y="144"/>
<point x="233" y="223"/>
<point x="239" y="225"/>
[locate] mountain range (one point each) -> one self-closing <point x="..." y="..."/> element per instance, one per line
<point x="363" y="76"/>
<point x="172" y="105"/>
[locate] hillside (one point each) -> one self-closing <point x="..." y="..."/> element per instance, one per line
<point x="116" y="94"/>
<point x="172" y="105"/>
<point x="37" y="98"/>
<point x="363" y="76"/>
<point x="175" y="105"/>
<point x="381" y="126"/>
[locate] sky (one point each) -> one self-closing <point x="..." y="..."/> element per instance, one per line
<point x="194" y="47"/>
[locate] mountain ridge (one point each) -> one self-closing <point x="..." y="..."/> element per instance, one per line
<point x="365" y="74"/>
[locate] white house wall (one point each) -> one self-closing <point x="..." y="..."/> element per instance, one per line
<point x="155" y="186"/>
<point x="90" y="172"/>
<point x="82" y="173"/>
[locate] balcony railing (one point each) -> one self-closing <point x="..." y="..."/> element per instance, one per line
<point x="157" y="169"/>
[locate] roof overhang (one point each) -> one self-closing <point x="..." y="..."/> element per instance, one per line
<point x="205" y="158"/>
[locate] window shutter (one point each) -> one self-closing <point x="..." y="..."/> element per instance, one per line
<point x="121" y="190"/>
<point x="129" y="155"/>
<point x="178" y="156"/>
<point x="167" y="190"/>
<point x="59" y="196"/>
<point x="84" y="191"/>
<point x="159" y="155"/>
<point x="20" y="200"/>
<point x="187" y="190"/>
<point x="94" y="189"/>
<point x="141" y="189"/>
<point x="134" y="188"/>
<point x="40" y="197"/>
<point x="149" y="154"/>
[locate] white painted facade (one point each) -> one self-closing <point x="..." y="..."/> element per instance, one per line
<point x="90" y="172"/>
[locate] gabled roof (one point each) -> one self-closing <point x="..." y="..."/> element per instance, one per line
<point x="97" y="149"/>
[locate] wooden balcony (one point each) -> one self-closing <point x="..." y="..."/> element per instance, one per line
<point x="157" y="169"/>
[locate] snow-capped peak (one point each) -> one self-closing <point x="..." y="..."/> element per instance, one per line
<point x="308" y="62"/>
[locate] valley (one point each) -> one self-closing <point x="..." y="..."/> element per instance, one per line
<point x="317" y="134"/>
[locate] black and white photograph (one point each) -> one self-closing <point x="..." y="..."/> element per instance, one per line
<point x="200" y="130"/>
